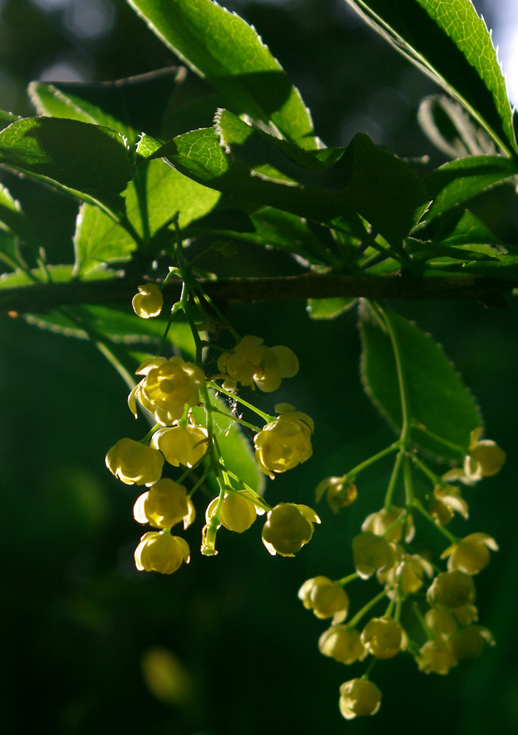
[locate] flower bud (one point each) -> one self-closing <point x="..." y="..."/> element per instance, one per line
<point x="181" y="445"/>
<point x="359" y="697"/>
<point x="158" y="551"/>
<point x="165" y="504"/>
<point x="237" y="513"/>
<point x="340" y="493"/>
<point x="384" y="637"/>
<point x="343" y="644"/>
<point x="324" y="597"/>
<point x="148" y="302"/>
<point x="288" y="528"/>
<point x="134" y="463"/>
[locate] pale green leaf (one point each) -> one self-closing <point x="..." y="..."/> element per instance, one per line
<point x="329" y="308"/>
<point x="442" y="410"/>
<point x="459" y="180"/>
<point x="88" y="161"/>
<point x="98" y="239"/>
<point x="448" y="41"/>
<point x="221" y="47"/>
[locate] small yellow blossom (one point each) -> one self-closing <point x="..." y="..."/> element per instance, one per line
<point x="288" y="527"/>
<point x="436" y="657"/>
<point x="441" y="621"/>
<point x="238" y="511"/>
<point x="284" y="443"/>
<point x="468" y="643"/>
<point x="343" y="644"/>
<point x="324" y="597"/>
<point x="134" y="463"/>
<point x="471" y="554"/>
<point x="181" y="445"/>
<point x="453" y="589"/>
<point x="407" y="577"/>
<point x="371" y="552"/>
<point x="384" y="637"/>
<point x="393" y="524"/>
<point x="446" y="500"/>
<point x="359" y="697"/>
<point x="253" y="364"/>
<point x="158" y="551"/>
<point x="148" y="302"/>
<point x="164" y="505"/>
<point x="485" y="457"/>
<point x="167" y="388"/>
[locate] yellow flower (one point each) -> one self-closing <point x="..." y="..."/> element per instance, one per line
<point x="284" y="443"/>
<point x="406" y="577"/>
<point x="288" y="528"/>
<point x="181" y="445"/>
<point x="485" y="458"/>
<point x="446" y="500"/>
<point x="158" y="551"/>
<point x="359" y="697"/>
<point x="238" y="511"/>
<point x="252" y="363"/>
<point x="452" y="589"/>
<point x="471" y="554"/>
<point x="167" y="388"/>
<point x="384" y="637"/>
<point x="148" y="302"/>
<point x="324" y="597"/>
<point x="391" y="524"/>
<point x="343" y="644"/>
<point x="371" y="552"/>
<point x="468" y="643"/>
<point x="165" y="504"/>
<point x="436" y="657"/>
<point x="134" y="463"/>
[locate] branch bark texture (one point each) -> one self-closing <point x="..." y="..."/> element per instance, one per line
<point x="40" y="298"/>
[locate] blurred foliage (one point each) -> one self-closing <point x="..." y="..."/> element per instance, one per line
<point x="85" y="637"/>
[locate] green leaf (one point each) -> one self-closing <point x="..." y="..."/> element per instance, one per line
<point x="235" y="158"/>
<point x="449" y="42"/>
<point x="129" y="106"/>
<point x="439" y="402"/>
<point x="118" y="324"/>
<point x="87" y="161"/>
<point x="329" y="308"/>
<point x="158" y="192"/>
<point x="468" y="230"/>
<point x="459" y="180"/>
<point x="98" y="239"/>
<point x="235" y="447"/>
<point x="221" y="47"/>
<point x="505" y="266"/>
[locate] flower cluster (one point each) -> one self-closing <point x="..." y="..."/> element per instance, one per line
<point x="443" y="602"/>
<point x="170" y="391"/>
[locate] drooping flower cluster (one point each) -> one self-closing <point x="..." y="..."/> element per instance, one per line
<point x="170" y="390"/>
<point x="383" y="551"/>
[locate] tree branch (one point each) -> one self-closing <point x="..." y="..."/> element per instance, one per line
<point x="39" y="298"/>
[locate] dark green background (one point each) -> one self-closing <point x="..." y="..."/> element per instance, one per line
<point x="76" y="617"/>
